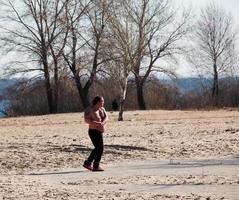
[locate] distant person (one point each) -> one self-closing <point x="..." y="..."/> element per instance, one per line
<point x="96" y="116"/>
<point x="115" y="105"/>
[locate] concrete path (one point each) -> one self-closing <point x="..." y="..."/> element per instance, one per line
<point x="114" y="178"/>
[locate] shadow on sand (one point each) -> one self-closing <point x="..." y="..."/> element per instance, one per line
<point x="55" y="173"/>
<point x="127" y="148"/>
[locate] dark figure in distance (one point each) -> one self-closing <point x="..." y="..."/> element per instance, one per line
<point x="115" y="105"/>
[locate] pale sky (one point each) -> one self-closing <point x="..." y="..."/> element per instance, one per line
<point x="231" y="6"/>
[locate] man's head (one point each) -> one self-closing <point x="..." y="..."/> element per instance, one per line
<point x="98" y="101"/>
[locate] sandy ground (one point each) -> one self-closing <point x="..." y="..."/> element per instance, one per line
<point x="55" y="142"/>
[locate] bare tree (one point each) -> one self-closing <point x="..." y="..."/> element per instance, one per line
<point x="84" y="53"/>
<point x="213" y="50"/>
<point x="37" y="29"/>
<point x="147" y="32"/>
<point x="120" y="49"/>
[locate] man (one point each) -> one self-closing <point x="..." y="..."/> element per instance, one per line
<point x="95" y="115"/>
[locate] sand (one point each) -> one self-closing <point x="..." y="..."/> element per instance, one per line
<point x="57" y="143"/>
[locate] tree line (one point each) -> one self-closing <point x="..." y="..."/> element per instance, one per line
<point x="69" y="48"/>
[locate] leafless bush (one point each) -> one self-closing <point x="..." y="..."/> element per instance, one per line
<point x="25" y="100"/>
<point x="157" y="95"/>
<point x="229" y="90"/>
<point x="32" y="100"/>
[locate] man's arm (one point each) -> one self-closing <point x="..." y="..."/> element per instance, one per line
<point x="105" y="118"/>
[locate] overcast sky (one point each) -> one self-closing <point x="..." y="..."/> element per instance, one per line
<point x="229" y="5"/>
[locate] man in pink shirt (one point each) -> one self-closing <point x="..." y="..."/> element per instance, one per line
<point x="95" y="115"/>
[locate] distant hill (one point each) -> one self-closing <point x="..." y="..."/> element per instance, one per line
<point x="186" y="85"/>
<point x="4" y="84"/>
<point x="192" y="84"/>
<point x="183" y="84"/>
<point x="2" y="108"/>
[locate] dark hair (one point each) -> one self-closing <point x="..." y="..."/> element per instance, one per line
<point x="96" y="100"/>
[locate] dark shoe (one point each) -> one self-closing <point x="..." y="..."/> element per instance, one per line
<point x="98" y="169"/>
<point x="87" y="166"/>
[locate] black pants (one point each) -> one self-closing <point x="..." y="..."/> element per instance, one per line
<point x="97" y="140"/>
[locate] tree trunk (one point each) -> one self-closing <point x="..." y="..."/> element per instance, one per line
<point x="140" y="94"/>
<point x="122" y="100"/>
<point x="83" y="92"/>
<point x="56" y="86"/>
<point x="48" y="88"/>
<point x="215" y="88"/>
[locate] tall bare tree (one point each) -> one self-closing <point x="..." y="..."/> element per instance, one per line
<point x="120" y="49"/>
<point x="147" y="32"/>
<point x="37" y="28"/>
<point x="84" y="53"/>
<point x="213" y="50"/>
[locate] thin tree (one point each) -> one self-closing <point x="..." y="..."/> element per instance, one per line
<point x="213" y="50"/>
<point x="120" y="49"/>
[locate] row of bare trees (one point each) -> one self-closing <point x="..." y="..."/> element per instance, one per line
<point x="89" y="39"/>
<point x="158" y="95"/>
